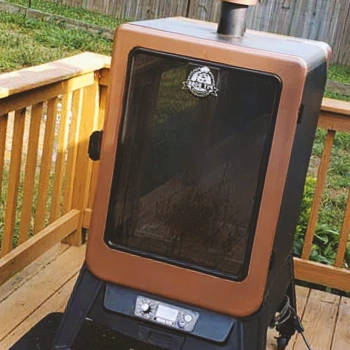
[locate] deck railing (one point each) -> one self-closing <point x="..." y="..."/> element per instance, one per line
<point x="334" y="117"/>
<point x="48" y="183"/>
<point x="46" y="179"/>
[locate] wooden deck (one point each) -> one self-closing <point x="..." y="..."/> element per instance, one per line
<point x="45" y="285"/>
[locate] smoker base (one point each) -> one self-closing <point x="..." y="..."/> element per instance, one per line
<point x="88" y="300"/>
<point x="92" y="336"/>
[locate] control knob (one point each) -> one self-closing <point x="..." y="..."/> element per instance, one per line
<point x="146" y="308"/>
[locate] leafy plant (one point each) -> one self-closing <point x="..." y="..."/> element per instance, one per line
<point x="326" y="239"/>
<point x="305" y="210"/>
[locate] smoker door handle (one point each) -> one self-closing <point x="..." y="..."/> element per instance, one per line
<point x="95" y="143"/>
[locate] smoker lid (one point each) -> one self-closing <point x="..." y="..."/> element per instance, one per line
<point x="310" y="51"/>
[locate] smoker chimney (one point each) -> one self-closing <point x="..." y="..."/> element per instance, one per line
<point x="233" y="17"/>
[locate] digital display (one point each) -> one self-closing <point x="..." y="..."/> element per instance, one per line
<point x="167" y="313"/>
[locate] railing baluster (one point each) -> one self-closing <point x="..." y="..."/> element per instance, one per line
<point x="343" y="240"/>
<point x="73" y="140"/>
<point x="13" y="182"/>
<point x="60" y="157"/>
<point x="46" y="165"/>
<point x="321" y="180"/>
<point x="3" y="131"/>
<point x="30" y="171"/>
<point x="96" y="165"/>
<point x="82" y="176"/>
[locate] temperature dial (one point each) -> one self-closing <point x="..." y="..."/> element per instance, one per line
<point x="146" y="308"/>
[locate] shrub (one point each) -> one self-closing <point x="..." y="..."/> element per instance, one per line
<point x="325" y="242"/>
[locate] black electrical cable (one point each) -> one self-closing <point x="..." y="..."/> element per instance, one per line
<point x="284" y="315"/>
<point x="299" y="327"/>
<point x="306" y="342"/>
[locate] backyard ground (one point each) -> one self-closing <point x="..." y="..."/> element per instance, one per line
<point x="26" y="42"/>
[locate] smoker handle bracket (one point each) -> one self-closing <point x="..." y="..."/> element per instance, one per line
<point x="95" y="142"/>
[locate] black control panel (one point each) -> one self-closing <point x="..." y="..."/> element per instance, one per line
<point x="165" y="314"/>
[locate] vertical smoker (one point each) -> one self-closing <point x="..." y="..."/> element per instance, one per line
<point x="204" y="154"/>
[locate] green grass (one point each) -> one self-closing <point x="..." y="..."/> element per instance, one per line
<point x="25" y="42"/>
<point x="72" y="12"/>
<point x="336" y="190"/>
<point x="339" y="73"/>
<point x="338" y="177"/>
<point x="342" y="75"/>
<point x="337" y="96"/>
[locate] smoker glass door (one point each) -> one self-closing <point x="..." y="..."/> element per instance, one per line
<point x="191" y="160"/>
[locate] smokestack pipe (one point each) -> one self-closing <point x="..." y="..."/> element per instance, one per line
<point x="233" y="17"/>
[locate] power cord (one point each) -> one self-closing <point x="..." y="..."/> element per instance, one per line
<point x="300" y="329"/>
<point x="285" y="314"/>
<point x="305" y="341"/>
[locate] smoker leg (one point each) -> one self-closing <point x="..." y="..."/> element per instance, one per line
<point x="288" y="328"/>
<point x="83" y="297"/>
<point x="255" y="339"/>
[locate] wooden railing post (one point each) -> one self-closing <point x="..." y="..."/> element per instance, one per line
<point x="46" y="164"/>
<point x="30" y="170"/>
<point x="343" y="240"/>
<point x="103" y="83"/>
<point x="83" y="165"/>
<point x="321" y="180"/>
<point x="13" y="184"/>
<point x="99" y="126"/>
<point x="3" y="131"/>
<point x="62" y="141"/>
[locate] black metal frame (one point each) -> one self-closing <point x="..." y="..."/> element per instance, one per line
<point x="88" y="300"/>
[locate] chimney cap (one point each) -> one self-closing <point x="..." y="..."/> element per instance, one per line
<point x="243" y="2"/>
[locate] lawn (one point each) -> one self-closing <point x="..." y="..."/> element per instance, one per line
<point x="71" y="12"/>
<point x="339" y="73"/>
<point x="26" y="42"/>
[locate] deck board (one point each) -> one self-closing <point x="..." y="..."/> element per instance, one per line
<point x="56" y="302"/>
<point x="45" y="286"/>
<point x="319" y="320"/>
<point x="38" y="290"/>
<point x="341" y="339"/>
<point x="21" y="278"/>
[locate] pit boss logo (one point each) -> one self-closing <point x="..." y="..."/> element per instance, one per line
<point x="201" y="82"/>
